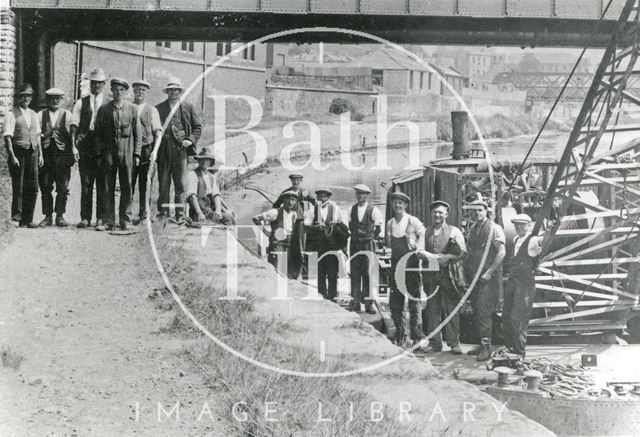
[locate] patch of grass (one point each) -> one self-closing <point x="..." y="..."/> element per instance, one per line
<point x="296" y="400"/>
<point x="11" y="358"/>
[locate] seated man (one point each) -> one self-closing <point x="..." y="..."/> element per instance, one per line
<point x="203" y="193"/>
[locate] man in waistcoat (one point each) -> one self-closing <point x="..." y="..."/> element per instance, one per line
<point x="404" y="234"/>
<point x="305" y="200"/>
<point x="83" y="138"/>
<point x="203" y="193"/>
<point x="365" y="225"/>
<point x="521" y="288"/>
<point x="58" y="154"/>
<point x="22" y="141"/>
<point x="282" y="220"/>
<point x="318" y="223"/>
<point x="118" y="147"/>
<point x="151" y="129"/>
<point x="178" y="141"/>
<point x="484" y="297"/>
<point x="446" y="242"/>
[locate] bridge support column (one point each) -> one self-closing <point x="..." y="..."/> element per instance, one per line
<point x="7" y="61"/>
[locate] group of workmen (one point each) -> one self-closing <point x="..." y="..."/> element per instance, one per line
<point x="112" y="140"/>
<point x="303" y="224"/>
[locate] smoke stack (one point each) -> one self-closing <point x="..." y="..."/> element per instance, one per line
<point x="461" y="137"/>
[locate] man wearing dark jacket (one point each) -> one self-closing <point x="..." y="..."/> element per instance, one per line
<point x="118" y="146"/>
<point x="178" y="141"/>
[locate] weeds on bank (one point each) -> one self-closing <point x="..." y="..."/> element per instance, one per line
<point x="302" y="405"/>
<point x="11" y="358"/>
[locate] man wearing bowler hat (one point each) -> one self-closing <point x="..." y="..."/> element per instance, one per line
<point x="446" y="242"/>
<point x="203" y="192"/>
<point x="304" y="200"/>
<point x="365" y="225"/>
<point x="83" y="138"/>
<point x="405" y="234"/>
<point x="484" y="298"/>
<point x="118" y="146"/>
<point x="318" y="224"/>
<point x="178" y="141"/>
<point x="59" y="155"/>
<point x="22" y="141"/>
<point x="521" y="288"/>
<point x="151" y="128"/>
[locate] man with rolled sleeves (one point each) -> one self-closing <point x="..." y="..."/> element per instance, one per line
<point x="58" y="154"/>
<point x="365" y="225"/>
<point x="521" y="287"/>
<point x="83" y="138"/>
<point x="178" y="141"/>
<point x="22" y="141"/>
<point x="317" y="223"/>
<point x="446" y="242"/>
<point x="484" y="297"/>
<point x="118" y="146"/>
<point x="304" y="200"/>
<point x="404" y="234"/>
<point x="151" y="129"/>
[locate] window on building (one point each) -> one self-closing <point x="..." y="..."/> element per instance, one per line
<point x="184" y="46"/>
<point x="281" y="59"/>
<point x="167" y="44"/>
<point x="159" y="43"/>
<point x="245" y="53"/>
<point x="410" y="79"/>
<point x="252" y="53"/>
<point x="219" y="49"/>
<point x="376" y="77"/>
<point x="227" y="48"/>
<point x="429" y="80"/>
<point x="192" y="46"/>
<point x="421" y="79"/>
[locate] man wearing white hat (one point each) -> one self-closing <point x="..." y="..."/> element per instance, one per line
<point x="282" y="220"/>
<point x="178" y="141"/>
<point x="82" y="137"/>
<point x="521" y="288"/>
<point x="203" y="192"/>
<point x="365" y="225"/>
<point x="22" y="141"/>
<point x="151" y="128"/>
<point x="59" y="155"/>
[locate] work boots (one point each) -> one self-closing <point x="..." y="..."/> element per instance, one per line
<point x="46" y="221"/>
<point x="485" y="350"/>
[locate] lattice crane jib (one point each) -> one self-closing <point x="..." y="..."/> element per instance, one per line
<point x="588" y="274"/>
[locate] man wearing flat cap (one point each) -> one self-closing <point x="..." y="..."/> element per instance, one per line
<point x="282" y="221"/>
<point x="319" y="226"/>
<point x="405" y="234"/>
<point x="118" y="147"/>
<point x="484" y="297"/>
<point x="83" y="138"/>
<point x="446" y="242"/>
<point x="151" y="129"/>
<point x="58" y="154"/>
<point x="203" y="192"/>
<point x="521" y="288"/>
<point x="365" y="225"/>
<point x="304" y="202"/>
<point x="179" y="140"/>
<point x="22" y="141"/>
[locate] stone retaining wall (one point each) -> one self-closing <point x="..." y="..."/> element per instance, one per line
<point x="7" y="61"/>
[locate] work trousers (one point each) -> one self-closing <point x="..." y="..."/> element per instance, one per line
<point x="140" y="175"/>
<point x="172" y="166"/>
<point x="120" y="170"/>
<point x="273" y="257"/>
<point x="24" y="183"/>
<point x="207" y="208"/>
<point x="441" y="304"/>
<point x="397" y="298"/>
<point x="518" y="302"/>
<point x="361" y="269"/>
<point x="484" y="302"/>
<point x="328" y="275"/>
<point x="56" y="170"/>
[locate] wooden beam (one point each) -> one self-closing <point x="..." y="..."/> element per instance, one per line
<point x="589" y="284"/>
<point x="584" y="313"/>
<point x="591" y="262"/>
<point x="566" y="290"/>
<point x="604" y="276"/>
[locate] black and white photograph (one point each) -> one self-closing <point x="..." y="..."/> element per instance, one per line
<point x="319" y="218"/>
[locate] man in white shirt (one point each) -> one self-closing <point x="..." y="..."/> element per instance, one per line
<point x="59" y="155"/>
<point x="320" y="224"/>
<point x="282" y="222"/>
<point x="151" y="131"/>
<point x="83" y="138"/>
<point x="365" y="225"/>
<point x="22" y="141"/>
<point x="404" y="234"/>
<point x="521" y="288"/>
<point x="447" y="243"/>
<point x="203" y="192"/>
